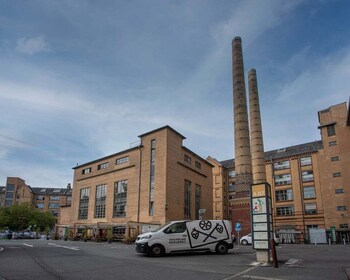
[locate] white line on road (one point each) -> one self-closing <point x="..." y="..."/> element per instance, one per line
<point x="66" y="247"/>
<point x="29" y="245"/>
<point x="259" y="277"/>
<point x="240" y="273"/>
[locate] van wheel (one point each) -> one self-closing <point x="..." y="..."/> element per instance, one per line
<point x="221" y="248"/>
<point x="244" y="242"/>
<point x="157" y="250"/>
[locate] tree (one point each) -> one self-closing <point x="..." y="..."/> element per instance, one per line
<point x="22" y="216"/>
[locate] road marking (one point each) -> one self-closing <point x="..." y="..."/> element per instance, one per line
<point x="1" y="249"/>
<point x="240" y="273"/>
<point x="66" y="247"/>
<point x="259" y="277"/>
<point x="29" y="245"/>
<point x="294" y="262"/>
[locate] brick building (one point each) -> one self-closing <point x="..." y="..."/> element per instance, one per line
<point x="310" y="183"/>
<point x="17" y="191"/>
<point x="157" y="181"/>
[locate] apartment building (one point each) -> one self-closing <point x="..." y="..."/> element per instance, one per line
<point x="17" y="191"/>
<point x="310" y="183"/>
<point x="154" y="182"/>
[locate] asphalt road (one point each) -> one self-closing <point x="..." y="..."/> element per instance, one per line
<point x="52" y="259"/>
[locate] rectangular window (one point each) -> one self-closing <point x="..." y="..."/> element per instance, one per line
<point x="283" y="195"/>
<point x="285" y="211"/>
<point x="307" y="176"/>
<point x="339" y="191"/>
<point x="284" y="179"/>
<point x="40" y="205"/>
<point x="231" y="187"/>
<point x="305" y="161"/>
<point x="10" y="187"/>
<point x="331" y="130"/>
<point x="337" y="174"/>
<point x="341" y="208"/>
<point x="309" y="192"/>
<point x="100" y="201"/>
<point x="187" y="202"/>
<point x="120" y="195"/>
<point x="310" y="208"/>
<point x="198" y="165"/>
<point x="9" y="195"/>
<point x="86" y="170"/>
<point x="84" y="204"/>
<point x="152" y="175"/>
<point x="198" y="196"/>
<point x="188" y="159"/>
<point x="232" y="174"/>
<point x="335" y="158"/>
<point x="332" y="143"/>
<point x="281" y="165"/>
<point x="53" y="205"/>
<point x="102" y="166"/>
<point x="54" y="197"/>
<point x="40" y="197"/>
<point x="122" y="160"/>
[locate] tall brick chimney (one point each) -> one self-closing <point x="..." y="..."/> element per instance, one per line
<point x="256" y="134"/>
<point x="243" y="161"/>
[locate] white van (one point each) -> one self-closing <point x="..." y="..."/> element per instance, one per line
<point x="184" y="236"/>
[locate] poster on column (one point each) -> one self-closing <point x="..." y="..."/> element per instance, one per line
<point x="259" y="206"/>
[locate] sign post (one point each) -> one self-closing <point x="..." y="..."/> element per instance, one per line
<point x="261" y="220"/>
<point x="238" y="229"/>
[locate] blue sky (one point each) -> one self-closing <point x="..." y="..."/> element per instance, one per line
<point x="80" y="80"/>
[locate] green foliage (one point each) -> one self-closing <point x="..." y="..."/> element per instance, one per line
<point x="22" y="216"/>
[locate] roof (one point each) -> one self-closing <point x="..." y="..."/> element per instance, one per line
<point x="284" y="152"/>
<point x="161" y="128"/>
<point x="52" y="191"/>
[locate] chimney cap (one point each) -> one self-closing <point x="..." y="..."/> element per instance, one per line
<point x="237" y="39"/>
<point x="252" y="72"/>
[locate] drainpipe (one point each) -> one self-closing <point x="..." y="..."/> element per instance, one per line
<point x="139" y="190"/>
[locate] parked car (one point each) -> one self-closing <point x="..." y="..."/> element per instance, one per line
<point x="247" y="239"/>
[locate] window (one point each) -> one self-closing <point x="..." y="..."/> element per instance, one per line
<point x="40" y="205"/>
<point x="102" y="166"/>
<point x="151" y="189"/>
<point x="335" y="158"/>
<point x="176" y="228"/>
<point x="53" y="205"/>
<point x="232" y="174"/>
<point x="284" y="179"/>
<point x="198" y="165"/>
<point x="285" y="211"/>
<point x="120" y="195"/>
<point x="54" y="213"/>
<point x="43" y="190"/>
<point x="56" y="191"/>
<point x="122" y="160"/>
<point x="187" y="202"/>
<point x="283" y="195"/>
<point x="84" y="204"/>
<point x="198" y="196"/>
<point x="281" y="165"/>
<point x="40" y="197"/>
<point x="9" y="195"/>
<point x="231" y="187"/>
<point x="331" y="130"/>
<point x="307" y="176"/>
<point x="337" y="174"/>
<point x="341" y="208"/>
<point x="120" y="230"/>
<point x="86" y="170"/>
<point x="305" y="161"/>
<point x="339" y="191"/>
<point x="332" y="143"/>
<point x="100" y="201"/>
<point x="188" y="159"/>
<point x="343" y="226"/>
<point x="309" y="192"/>
<point x="310" y="208"/>
<point x="54" y="197"/>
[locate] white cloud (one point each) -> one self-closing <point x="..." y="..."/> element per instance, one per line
<point x="32" y="45"/>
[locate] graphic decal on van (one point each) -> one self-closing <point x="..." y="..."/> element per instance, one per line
<point x="204" y="232"/>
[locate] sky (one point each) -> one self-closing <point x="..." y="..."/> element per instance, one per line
<point x="80" y="80"/>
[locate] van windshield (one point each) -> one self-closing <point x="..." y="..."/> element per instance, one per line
<point x="161" y="227"/>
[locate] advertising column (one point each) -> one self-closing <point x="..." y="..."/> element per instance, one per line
<point x="261" y="220"/>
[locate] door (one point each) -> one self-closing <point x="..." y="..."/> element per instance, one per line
<point x="176" y="238"/>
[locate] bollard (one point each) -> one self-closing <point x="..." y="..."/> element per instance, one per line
<point x="273" y="252"/>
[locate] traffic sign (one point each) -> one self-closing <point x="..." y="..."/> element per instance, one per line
<point x="238" y="227"/>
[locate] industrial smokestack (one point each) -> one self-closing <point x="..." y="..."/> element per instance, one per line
<point x="256" y="134"/>
<point x="243" y="162"/>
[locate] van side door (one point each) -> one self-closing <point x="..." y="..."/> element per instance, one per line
<point x="176" y="238"/>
